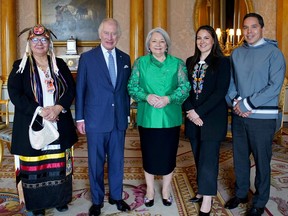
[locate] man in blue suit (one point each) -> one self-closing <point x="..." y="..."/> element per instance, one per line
<point x="102" y="110"/>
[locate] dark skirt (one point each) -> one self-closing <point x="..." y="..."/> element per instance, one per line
<point x="46" y="179"/>
<point x="159" y="149"/>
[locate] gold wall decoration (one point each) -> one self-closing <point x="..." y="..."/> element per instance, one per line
<point x="225" y="16"/>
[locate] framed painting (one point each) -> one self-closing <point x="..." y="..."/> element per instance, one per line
<point x="79" y="19"/>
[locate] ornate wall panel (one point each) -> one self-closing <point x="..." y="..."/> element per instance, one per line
<point x="180" y="26"/>
<point x="180" y="23"/>
<point x="268" y="10"/>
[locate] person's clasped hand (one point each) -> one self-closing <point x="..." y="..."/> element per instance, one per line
<point x="51" y="113"/>
<point x="152" y="99"/>
<point x="194" y="117"/>
<point x="238" y="111"/>
<point x="157" y="101"/>
<point x="162" y="102"/>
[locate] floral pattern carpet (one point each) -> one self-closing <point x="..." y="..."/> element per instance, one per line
<point x="183" y="186"/>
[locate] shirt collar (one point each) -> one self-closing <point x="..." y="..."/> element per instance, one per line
<point x="105" y="51"/>
<point x="260" y="42"/>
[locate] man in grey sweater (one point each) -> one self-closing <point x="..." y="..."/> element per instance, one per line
<point x="258" y="70"/>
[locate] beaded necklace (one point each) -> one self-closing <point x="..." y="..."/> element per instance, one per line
<point x="48" y="80"/>
<point x="198" y="77"/>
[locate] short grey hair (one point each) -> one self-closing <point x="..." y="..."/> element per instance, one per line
<point x="160" y="31"/>
<point x="110" y="20"/>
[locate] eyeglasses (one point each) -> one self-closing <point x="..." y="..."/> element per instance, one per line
<point x="36" y="40"/>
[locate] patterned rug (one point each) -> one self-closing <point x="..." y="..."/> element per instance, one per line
<point x="183" y="185"/>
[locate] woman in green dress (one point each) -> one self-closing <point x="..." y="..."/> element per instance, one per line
<point x="159" y="85"/>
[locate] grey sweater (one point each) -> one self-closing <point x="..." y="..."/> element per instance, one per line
<point x="257" y="77"/>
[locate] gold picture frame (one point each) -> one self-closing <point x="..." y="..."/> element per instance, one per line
<point x="77" y="18"/>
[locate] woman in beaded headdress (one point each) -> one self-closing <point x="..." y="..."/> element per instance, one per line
<point x="40" y="80"/>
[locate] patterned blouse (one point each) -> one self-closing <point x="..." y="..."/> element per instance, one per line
<point x="168" y="78"/>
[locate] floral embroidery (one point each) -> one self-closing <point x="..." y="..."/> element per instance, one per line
<point x="198" y="77"/>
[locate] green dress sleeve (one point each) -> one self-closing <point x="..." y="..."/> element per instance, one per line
<point x="180" y="94"/>
<point x="134" y="89"/>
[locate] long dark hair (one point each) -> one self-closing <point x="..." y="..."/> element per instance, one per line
<point x="215" y="51"/>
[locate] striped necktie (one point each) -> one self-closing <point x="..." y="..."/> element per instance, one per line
<point x="111" y="67"/>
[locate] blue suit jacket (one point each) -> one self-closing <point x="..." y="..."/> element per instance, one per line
<point x="97" y="102"/>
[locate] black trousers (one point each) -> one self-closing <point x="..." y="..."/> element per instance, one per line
<point x="206" y="155"/>
<point x="253" y="136"/>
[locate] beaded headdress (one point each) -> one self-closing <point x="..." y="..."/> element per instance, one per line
<point x="38" y="30"/>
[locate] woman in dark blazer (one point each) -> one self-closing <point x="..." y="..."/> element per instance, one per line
<point x="41" y="80"/>
<point x="206" y="111"/>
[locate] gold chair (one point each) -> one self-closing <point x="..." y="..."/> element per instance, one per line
<point x="133" y="114"/>
<point x="281" y="105"/>
<point x="5" y="126"/>
<point x="229" y="130"/>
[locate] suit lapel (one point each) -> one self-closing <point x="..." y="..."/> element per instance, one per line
<point x="99" y="57"/>
<point x="119" y="68"/>
<point x="101" y="63"/>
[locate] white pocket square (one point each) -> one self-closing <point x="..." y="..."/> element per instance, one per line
<point x="126" y="66"/>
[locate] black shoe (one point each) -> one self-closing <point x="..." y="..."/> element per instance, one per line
<point x="148" y="203"/>
<point x="235" y="201"/>
<point x="204" y="213"/>
<point x="253" y="211"/>
<point x="167" y="202"/>
<point x="121" y="204"/>
<point x="196" y="199"/>
<point x="62" y="208"/>
<point x="40" y="212"/>
<point x="95" y="210"/>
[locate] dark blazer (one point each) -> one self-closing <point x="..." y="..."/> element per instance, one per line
<point x="211" y="105"/>
<point x="97" y="102"/>
<point x="21" y="95"/>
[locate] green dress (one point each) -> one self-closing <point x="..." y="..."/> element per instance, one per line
<point x="168" y="78"/>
